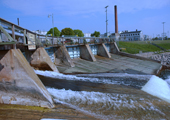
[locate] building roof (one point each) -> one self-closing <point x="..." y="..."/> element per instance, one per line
<point x="131" y="32"/>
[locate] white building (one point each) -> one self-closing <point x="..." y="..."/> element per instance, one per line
<point x="131" y="36"/>
<point x="40" y="32"/>
<point x="87" y="35"/>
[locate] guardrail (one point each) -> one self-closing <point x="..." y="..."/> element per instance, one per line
<point x="19" y="35"/>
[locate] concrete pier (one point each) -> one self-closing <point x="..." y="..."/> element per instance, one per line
<point x="86" y="53"/>
<point x="62" y="56"/>
<point x="41" y="60"/>
<point x="19" y="84"/>
<point x="114" y="48"/>
<point x="102" y="51"/>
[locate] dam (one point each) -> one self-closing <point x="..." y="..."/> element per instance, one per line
<point x="96" y="78"/>
<point x="81" y="57"/>
<point x="102" y="56"/>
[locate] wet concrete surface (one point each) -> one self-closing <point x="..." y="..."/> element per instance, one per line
<point x="19" y="112"/>
<point x="115" y="64"/>
<point x="91" y="86"/>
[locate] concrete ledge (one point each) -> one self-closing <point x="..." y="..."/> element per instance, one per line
<point x="19" y="84"/>
<point x="114" y="48"/>
<point x="62" y="56"/>
<point x="135" y="56"/>
<point x="86" y="53"/>
<point x="102" y="51"/>
<point x="41" y="60"/>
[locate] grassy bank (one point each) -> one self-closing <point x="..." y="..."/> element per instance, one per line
<point x="134" y="47"/>
<point x="165" y="43"/>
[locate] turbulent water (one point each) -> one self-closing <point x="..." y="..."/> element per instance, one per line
<point x="112" y="95"/>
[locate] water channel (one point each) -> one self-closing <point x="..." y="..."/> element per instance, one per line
<point x="111" y="95"/>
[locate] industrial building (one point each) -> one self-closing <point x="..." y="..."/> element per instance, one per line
<point x="131" y="36"/>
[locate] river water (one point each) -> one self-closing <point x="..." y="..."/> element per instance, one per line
<point x="112" y="95"/>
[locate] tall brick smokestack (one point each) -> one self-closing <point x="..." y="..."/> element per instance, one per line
<point x="116" y="21"/>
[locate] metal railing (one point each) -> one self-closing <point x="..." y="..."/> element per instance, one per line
<point x="19" y="35"/>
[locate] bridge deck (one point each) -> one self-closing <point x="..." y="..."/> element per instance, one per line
<point x="115" y="64"/>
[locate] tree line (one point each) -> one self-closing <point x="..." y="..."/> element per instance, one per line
<point x="69" y="31"/>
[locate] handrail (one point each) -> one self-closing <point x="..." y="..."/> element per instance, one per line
<point x="6" y="33"/>
<point x="14" y="28"/>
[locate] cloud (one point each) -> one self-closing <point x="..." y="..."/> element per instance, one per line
<point x="81" y="7"/>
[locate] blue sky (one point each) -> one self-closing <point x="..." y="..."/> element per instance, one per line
<point x="89" y="15"/>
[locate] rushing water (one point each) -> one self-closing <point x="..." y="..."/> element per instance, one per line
<point x="111" y="95"/>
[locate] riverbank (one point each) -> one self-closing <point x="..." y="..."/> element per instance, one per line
<point x="164" y="58"/>
<point x="134" y="47"/>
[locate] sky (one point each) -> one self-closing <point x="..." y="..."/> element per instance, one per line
<point x="89" y="15"/>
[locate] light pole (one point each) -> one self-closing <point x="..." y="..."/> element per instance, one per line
<point x="106" y="19"/>
<point x="53" y="26"/>
<point x="163" y="30"/>
<point x="18" y="21"/>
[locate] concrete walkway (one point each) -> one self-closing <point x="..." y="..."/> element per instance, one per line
<point x="115" y="64"/>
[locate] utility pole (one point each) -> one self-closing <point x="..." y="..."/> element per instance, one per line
<point x="53" y="26"/>
<point x="18" y="21"/>
<point x="163" y="30"/>
<point x="106" y="19"/>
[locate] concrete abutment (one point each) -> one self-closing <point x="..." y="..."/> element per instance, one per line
<point x="62" y="56"/>
<point x="19" y="84"/>
<point x="86" y="53"/>
<point x="41" y="60"/>
<point x="102" y="51"/>
<point x="114" y="48"/>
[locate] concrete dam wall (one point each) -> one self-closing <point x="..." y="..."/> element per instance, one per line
<point x="20" y="85"/>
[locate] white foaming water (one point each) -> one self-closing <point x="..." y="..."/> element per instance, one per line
<point x="58" y="75"/>
<point x="98" y="103"/>
<point x="158" y="87"/>
<point x="97" y="78"/>
<point x="155" y="86"/>
<point x="104" y="105"/>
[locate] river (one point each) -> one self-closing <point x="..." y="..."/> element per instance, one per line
<point x="111" y="95"/>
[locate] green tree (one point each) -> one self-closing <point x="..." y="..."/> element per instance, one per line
<point x="78" y="33"/>
<point x="56" y="32"/>
<point x="95" y="34"/>
<point x="67" y="31"/>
